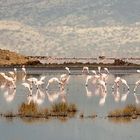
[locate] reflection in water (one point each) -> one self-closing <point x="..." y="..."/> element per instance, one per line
<point x="116" y="95"/>
<point x="103" y="98"/>
<point x="98" y="91"/>
<point x="3" y="85"/>
<point x="30" y="120"/>
<point x="52" y="97"/>
<point x="9" y="94"/>
<point x="124" y="96"/>
<point x="136" y="98"/>
<point x="120" y="120"/>
<point x="78" y="94"/>
<point x="88" y="93"/>
<point x="37" y="93"/>
<point x="39" y="97"/>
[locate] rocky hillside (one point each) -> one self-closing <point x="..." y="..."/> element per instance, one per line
<point x="11" y="58"/>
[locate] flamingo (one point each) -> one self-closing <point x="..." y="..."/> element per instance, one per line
<point x="99" y="70"/>
<point x="88" y="78"/>
<point x="40" y="81"/>
<point x="85" y="69"/>
<point x="32" y="80"/>
<point x="94" y="77"/>
<point x="54" y="79"/>
<point x="64" y="78"/>
<point x="10" y="80"/>
<point x="68" y="69"/>
<point x="103" y="85"/>
<point x="94" y="72"/>
<point x="29" y="87"/>
<point x="13" y="73"/>
<point x="136" y="85"/>
<point x="24" y="73"/>
<point x="104" y="76"/>
<point x="117" y="82"/>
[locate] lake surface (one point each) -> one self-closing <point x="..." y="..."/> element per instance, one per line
<point x="88" y="102"/>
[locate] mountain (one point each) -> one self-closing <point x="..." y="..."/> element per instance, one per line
<point x="71" y="28"/>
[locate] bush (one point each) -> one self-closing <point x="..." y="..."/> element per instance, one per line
<point x="28" y="109"/>
<point x="128" y="111"/>
<point x="63" y="108"/>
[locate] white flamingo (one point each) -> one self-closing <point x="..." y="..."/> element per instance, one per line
<point x="136" y="85"/>
<point x="103" y="85"/>
<point x="64" y="78"/>
<point x="13" y="73"/>
<point x="104" y="76"/>
<point x="68" y="69"/>
<point x="85" y="69"/>
<point x="29" y="87"/>
<point x="10" y="80"/>
<point x="54" y="79"/>
<point x="117" y="82"/>
<point x="89" y="77"/>
<point x="99" y="70"/>
<point x="40" y="81"/>
<point x="24" y="73"/>
<point x="93" y="77"/>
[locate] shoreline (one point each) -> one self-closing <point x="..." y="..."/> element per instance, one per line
<point x="77" y="66"/>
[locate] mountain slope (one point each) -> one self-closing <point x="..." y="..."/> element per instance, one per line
<point x="69" y="28"/>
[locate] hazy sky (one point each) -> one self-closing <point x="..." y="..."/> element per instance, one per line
<point x="71" y="28"/>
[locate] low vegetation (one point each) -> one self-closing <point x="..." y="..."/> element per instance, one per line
<point x="32" y="110"/>
<point x="131" y="111"/>
<point x="63" y="109"/>
<point x="28" y="109"/>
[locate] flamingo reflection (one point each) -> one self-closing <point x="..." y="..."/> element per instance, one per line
<point x="9" y="94"/>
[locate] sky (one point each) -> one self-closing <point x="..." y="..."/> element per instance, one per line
<point x="71" y="28"/>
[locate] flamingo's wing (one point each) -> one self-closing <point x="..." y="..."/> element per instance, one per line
<point x="26" y="85"/>
<point x="42" y="78"/>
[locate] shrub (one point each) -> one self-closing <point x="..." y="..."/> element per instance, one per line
<point x="28" y="109"/>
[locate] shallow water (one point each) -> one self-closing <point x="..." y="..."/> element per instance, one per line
<point x="74" y="128"/>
